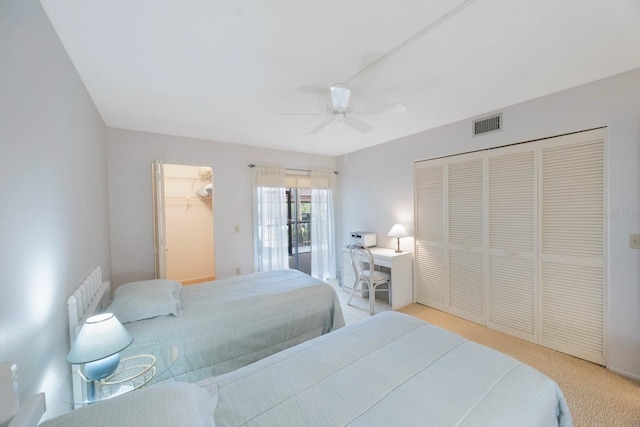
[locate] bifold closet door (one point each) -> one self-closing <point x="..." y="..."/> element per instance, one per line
<point x="514" y="238"/>
<point x="465" y="243"/>
<point x="430" y="234"/>
<point x="450" y="252"/>
<point x="512" y="234"/>
<point x="572" y="254"/>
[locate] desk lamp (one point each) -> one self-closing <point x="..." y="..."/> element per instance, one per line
<point x="398" y="232"/>
<point x="98" y="346"/>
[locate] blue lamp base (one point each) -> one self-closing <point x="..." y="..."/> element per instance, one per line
<point x="101" y="368"/>
<point x="98" y="370"/>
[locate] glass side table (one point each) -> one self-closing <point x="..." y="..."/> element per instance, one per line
<point x="132" y="373"/>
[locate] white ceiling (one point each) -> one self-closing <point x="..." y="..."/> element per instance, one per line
<point x="222" y="70"/>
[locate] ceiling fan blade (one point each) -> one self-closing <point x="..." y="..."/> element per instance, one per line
<point x="391" y="108"/>
<point x="313" y="90"/>
<point x="301" y="114"/>
<point x="320" y="127"/>
<point x="358" y="124"/>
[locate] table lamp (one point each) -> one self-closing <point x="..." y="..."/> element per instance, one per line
<point x="98" y="346"/>
<point x="398" y="232"/>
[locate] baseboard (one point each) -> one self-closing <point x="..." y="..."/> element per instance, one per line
<point x="197" y="280"/>
<point x="624" y="373"/>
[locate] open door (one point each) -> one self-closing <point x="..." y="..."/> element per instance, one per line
<point x="159" y="237"/>
<point x="183" y="223"/>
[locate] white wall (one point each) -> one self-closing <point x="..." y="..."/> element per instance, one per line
<point x="54" y="223"/>
<point x="130" y="156"/>
<point x="54" y="210"/>
<point x="377" y="184"/>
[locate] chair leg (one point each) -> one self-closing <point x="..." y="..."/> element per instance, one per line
<point x="372" y="303"/>
<point x="372" y="296"/>
<point x="372" y="299"/>
<point x="355" y="285"/>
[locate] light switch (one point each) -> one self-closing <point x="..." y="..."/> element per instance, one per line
<point x="634" y="241"/>
<point x="237" y="229"/>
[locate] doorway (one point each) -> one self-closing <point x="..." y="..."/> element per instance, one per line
<point x="299" y="228"/>
<point x="183" y="217"/>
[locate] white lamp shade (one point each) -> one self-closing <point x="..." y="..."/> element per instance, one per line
<point x="101" y="336"/>
<point x="397" y="231"/>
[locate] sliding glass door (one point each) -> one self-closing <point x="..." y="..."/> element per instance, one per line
<point x="299" y="228"/>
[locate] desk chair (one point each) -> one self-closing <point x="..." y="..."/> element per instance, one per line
<point x="365" y="271"/>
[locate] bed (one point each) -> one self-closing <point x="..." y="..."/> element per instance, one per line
<point x="389" y="369"/>
<point x="220" y="326"/>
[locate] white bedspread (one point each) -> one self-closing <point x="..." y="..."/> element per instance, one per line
<point x="230" y="323"/>
<point x="388" y="370"/>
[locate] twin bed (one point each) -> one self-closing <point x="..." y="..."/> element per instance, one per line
<point x="229" y="323"/>
<point x="389" y="369"/>
<point x="217" y="326"/>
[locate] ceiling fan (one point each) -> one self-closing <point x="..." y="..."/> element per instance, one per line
<point x="339" y="109"/>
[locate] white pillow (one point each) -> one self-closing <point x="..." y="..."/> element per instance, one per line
<point x="146" y="299"/>
<point x="168" y="404"/>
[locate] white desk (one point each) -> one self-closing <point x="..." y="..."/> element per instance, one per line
<point x="401" y="267"/>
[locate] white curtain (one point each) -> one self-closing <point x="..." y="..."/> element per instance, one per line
<point x="270" y="251"/>
<point x="323" y="245"/>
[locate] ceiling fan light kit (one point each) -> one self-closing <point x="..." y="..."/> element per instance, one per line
<point x="340" y="95"/>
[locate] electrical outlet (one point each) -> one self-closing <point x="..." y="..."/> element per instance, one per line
<point x="634" y="241"/>
<point x="237" y="271"/>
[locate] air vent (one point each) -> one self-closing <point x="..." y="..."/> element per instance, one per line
<point x="487" y="125"/>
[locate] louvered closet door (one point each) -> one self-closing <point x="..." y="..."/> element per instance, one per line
<point x="466" y="254"/>
<point x="511" y="222"/>
<point x="430" y="234"/>
<point x="572" y="258"/>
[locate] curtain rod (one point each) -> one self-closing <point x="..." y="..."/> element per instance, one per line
<point x="251" y="165"/>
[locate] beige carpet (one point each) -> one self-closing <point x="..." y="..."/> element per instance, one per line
<point x="596" y="396"/>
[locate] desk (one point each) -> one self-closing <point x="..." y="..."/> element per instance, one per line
<point x="401" y="269"/>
